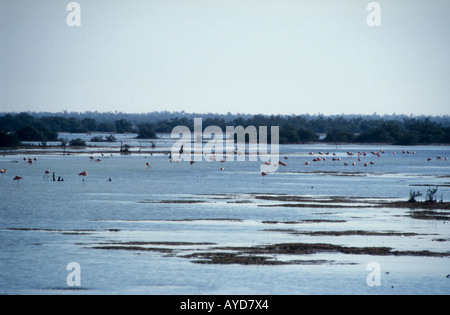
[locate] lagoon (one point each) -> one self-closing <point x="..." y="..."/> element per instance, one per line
<point x="176" y="228"/>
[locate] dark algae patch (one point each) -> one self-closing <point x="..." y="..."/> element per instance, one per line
<point x="232" y="258"/>
<point x="140" y="246"/>
<point x="419" y="210"/>
<point x="256" y="255"/>
<point x="263" y="254"/>
<point x="173" y="201"/>
<point x="418" y="205"/>
<point x="343" y="233"/>
<point x="304" y="221"/>
<point x="135" y="248"/>
<point x="139" y="243"/>
<point x="430" y="215"/>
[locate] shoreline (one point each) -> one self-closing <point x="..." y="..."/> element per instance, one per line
<point x="94" y="149"/>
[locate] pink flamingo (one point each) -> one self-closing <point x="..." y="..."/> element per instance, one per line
<point x="84" y="174"/>
<point x="46" y="174"/>
<point x="2" y="171"/>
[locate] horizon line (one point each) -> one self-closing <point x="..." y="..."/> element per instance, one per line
<point x="183" y="112"/>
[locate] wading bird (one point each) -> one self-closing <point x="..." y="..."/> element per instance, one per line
<point x="46" y="174"/>
<point x="84" y="174"/>
<point x="181" y="151"/>
<point x="18" y="178"/>
<point x="2" y="171"/>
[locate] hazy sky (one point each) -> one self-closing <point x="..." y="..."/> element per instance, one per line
<point x="239" y="56"/>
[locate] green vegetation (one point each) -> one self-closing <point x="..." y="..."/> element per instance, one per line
<point x="25" y="127"/>
<point x="9" y="140"/>
<point x="399" y="130"/>
<point x="109" y="138"/>
<point x="77" y="142"/>
<point x="145" y="131"/>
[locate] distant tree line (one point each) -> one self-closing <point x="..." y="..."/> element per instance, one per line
<point x="15" y="128"/>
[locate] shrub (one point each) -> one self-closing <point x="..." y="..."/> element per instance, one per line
<point x="111" y="138"/>
<point x="97" y="139"/>
<point x="413" y="195"/>
<point x="430" y="194"/>
<point x="145" y="131"/>
<point x="77" y="142"/>
<point x="9" y="139"/>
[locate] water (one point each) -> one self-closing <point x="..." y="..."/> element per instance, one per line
<point x="175" y="209"/>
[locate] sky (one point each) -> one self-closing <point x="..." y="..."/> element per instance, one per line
<point x="220" y="56"/>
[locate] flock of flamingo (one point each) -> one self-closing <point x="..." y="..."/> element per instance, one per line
<point x="321" y="157"/>
<point x="360" y="154"/>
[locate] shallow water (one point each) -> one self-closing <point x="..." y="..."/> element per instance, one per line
<point x="45" y="225"/>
